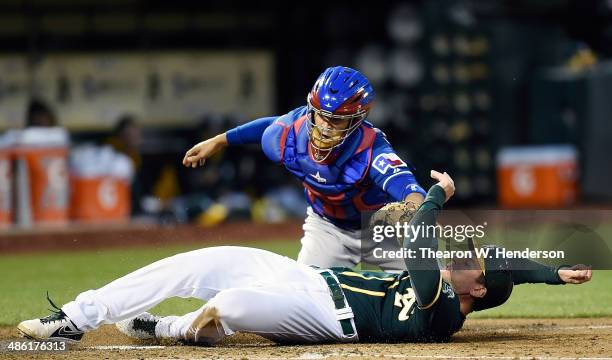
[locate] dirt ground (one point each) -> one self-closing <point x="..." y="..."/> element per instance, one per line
<point x="480" y="339"/>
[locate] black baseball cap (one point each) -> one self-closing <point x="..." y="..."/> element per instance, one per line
<point x="497" y="279"/>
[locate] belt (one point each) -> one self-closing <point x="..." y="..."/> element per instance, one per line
<point x="344" y="313"/>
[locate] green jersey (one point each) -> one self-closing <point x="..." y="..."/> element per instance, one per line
<point x="386" y="309"/>
<point x="415" y="305"/>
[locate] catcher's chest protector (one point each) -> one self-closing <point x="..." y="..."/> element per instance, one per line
<point x="335" y="190"/>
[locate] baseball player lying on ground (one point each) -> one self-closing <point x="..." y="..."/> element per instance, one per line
<point x="256" y="291"/>
<point x="346" y="165"/>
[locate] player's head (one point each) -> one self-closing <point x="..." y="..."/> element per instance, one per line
<point x="483" y="282"/>
<point x="497" y="280"/>
<point x="337" y="105"/>
<point x="467" y="277"/>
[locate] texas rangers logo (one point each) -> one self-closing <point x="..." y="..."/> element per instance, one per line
<point x="386" y="161"/>
<point x="319" y="178"/>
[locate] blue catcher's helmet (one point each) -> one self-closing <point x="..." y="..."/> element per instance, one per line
<point x="339" y="94"/>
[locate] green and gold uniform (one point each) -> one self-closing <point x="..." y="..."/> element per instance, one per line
<point x="386" y="309"/>
<point x="415" y="305"/>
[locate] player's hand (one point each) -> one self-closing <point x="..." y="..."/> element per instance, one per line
<point x="197" y="155"/>
<point x="445" y="182"/>
<point x="577" y="274"/>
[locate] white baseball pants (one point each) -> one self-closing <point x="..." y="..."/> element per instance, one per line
<point x="325" y="245"/>
<point x="251" y="290"/>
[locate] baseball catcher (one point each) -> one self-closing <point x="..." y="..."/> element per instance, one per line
<point x="345" y="164"/>
<point x="286" y="301"/>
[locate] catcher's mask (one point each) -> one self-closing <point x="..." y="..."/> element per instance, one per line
<point x="340" y="96"/>
<point x="497" y="278"/>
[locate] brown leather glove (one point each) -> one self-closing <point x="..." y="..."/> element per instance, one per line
<point x="395" y="212"/>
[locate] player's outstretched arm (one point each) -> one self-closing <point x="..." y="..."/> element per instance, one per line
<point x="249" y="133"/>
<point x="530" y="271"/>
<point x="197" y="155"/>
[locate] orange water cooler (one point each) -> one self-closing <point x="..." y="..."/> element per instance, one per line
<point x="42" y="187"/>
<point x="100" y="185"/>
<point x="6" y="183"/>
<point x="537" y="176"/>
<point x="99" y="199"/>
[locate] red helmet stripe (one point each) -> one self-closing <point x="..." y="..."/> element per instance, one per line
<point x="352" y="106"/>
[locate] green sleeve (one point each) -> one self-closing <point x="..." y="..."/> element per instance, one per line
<point x="529" y="271"/>
<point x="424" y="273"/>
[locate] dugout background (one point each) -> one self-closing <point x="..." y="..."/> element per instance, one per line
<point x="455" y="80"/>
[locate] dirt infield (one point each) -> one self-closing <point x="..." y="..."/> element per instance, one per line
<point x="480" y="339"/>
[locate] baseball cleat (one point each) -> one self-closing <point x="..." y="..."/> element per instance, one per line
<point x="55" y="327"/>
<point x="140" y="327"/>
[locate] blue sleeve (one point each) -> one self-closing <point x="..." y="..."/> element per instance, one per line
<point x="390" y="173"/>
<point x="249" y="133"/>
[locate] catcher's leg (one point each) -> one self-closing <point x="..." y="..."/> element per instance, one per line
<point x="279" y="313"/>
<point x="200" y="274"/>
<point x="386" y="263"/>
<point x="326" y="245"/>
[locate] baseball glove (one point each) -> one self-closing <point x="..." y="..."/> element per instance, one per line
<point x="393" y="213"/>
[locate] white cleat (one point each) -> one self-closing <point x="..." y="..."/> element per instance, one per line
<point x="140" y="327"/>
<point x="55" y="327"/>
<point x="53" y="330"/>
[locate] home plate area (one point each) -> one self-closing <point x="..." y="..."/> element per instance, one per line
<point x="546" y="339"/>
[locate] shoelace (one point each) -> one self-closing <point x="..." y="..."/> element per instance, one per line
<point x="57" y="313"/>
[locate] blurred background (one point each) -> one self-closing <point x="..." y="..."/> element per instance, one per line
<point x="99" y="100"/>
